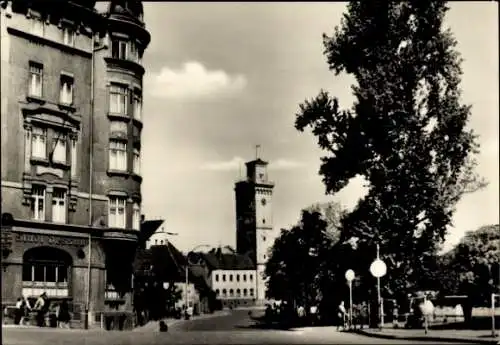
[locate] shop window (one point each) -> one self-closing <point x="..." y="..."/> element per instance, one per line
<point x="46" y="270"/>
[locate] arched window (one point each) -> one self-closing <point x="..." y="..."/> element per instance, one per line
<point x="161" y="242"/>
<point x="237" y="277"/>
<point x="46" y="269"/>
<point x="231" y="292"/>
<point x="245" y="291"/>
<point x="230" y="277"/>
<point x="224" y="292"/>
<point x="250" y="276"/>
<point x="223" y="277"/>
<point x="238" y="292"/>
<point x="251" y="292"/>
<point x="244" y="277"/>
<point x="217" y="292"/>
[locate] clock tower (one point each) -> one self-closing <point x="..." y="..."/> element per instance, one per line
<point x="255" y="233"/>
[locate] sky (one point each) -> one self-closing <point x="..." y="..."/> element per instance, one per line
<point x="224" y="77"/>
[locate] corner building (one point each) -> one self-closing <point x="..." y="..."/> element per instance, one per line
<point x="71" y="116"/>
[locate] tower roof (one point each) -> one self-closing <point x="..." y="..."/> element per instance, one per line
<point x="127" y="8"/>
<point x="257" y="161"/>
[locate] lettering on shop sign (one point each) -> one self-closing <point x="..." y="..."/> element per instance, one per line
<point x="51" y="240"/>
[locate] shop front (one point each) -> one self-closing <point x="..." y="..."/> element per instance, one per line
<point x="37" y="259"/>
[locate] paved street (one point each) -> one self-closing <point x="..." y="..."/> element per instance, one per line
<point x="235" y="328"/>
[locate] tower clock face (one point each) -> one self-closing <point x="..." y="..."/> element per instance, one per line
<point x="263" y="202"/>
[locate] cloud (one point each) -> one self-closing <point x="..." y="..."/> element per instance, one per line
<point x="285" y="164"/>
<point x="233" y="164"/>
<point x="193" y="80"/>
<point x="237" y="162"/>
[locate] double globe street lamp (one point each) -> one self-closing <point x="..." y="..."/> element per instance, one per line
<point x="349" y="276"/>
<point x="378" y="269"/>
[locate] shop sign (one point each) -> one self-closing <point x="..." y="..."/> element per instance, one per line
<point x="51" y="240"/>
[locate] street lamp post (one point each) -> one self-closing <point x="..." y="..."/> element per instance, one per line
<point x="378" y="269"/>
<point x="349" y="276"/>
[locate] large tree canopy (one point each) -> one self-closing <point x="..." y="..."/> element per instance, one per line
<point x="296" y="264"/>
<point x="405" y="134"/>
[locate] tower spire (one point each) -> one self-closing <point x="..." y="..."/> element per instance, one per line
<point x="257" y="147"/>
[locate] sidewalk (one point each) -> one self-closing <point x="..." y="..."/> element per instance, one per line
<point x="462" y="336"/>
<point x="152" y="326"/>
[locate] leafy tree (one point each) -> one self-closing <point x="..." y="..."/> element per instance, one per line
<point x="294" y="266"/>
<point x="405" y="134"/>
<point x="473" y="267"/>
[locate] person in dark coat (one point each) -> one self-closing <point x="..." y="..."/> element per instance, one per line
<point x="63" y="316"/>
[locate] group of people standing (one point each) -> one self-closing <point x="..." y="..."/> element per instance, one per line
<point x="41" y="309"/>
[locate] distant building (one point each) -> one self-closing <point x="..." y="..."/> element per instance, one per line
<point x="161" y="265"/>
<point x="255" y="233"/>
<point x="158" y="238"/>
<point x="71" y="118"/>
<point x="231" y="275"/>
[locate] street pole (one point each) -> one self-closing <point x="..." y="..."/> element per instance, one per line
<point x="350" y="304"/>
<point x="187" y="284"/>
<point x="493" y="315"/>
<point x="379" y="298"/>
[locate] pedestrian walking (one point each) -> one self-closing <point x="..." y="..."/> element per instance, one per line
<point x="341" y="314"/>
<point x="63" y="315"/>
<point x="313" y="313"/>
<point x="41" y="306"/>
<point x="19" y="311"/>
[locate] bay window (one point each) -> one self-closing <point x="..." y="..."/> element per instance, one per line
<point x="59" y="205"/>
<point x="39" y="143"/>
<point x="137" y="162"/>
<point x="38" y="203"/>
<point x="134" y="52"/>
<point x="117" y="155"/>
<point x="119" y="49"/>
<point x="118" y="99"/>
<point x="136" y="216"/>
<point x="117" y="214"/>
<point x="59" y="147"/>
<point x="137" y="105"/>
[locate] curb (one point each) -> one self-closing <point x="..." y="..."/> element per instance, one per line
<point x="427" y="338"/>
